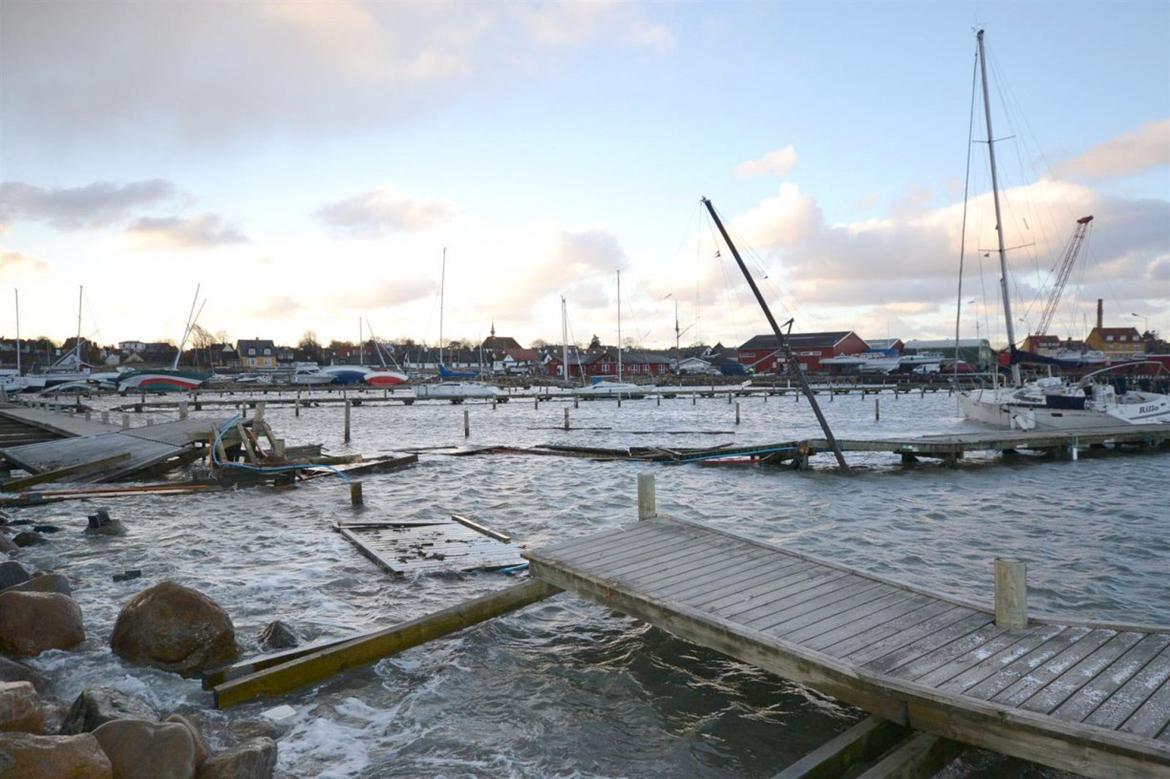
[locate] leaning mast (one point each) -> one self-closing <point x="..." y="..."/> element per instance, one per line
<point x="1003" y="274"/>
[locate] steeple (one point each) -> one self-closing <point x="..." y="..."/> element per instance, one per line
<point x="493" y="328"/>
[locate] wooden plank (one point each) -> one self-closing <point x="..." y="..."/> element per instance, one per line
<point x="996" y="682"/>
<point x="921" y="756"/>
<point x="1034" y="650"/>
<point x="834" y="614"/>
<point x="1153" y="716"/>
<point x="861" y="743"/>
<point x="1123" y="703"/>
<point x="938" y="648"/>
<point x="664" y="560"/>
<point x="477" y="527"/>
<point x="716" y="566"/>
<point x="931" y="674"/>
<point x="943" y="628"/>
<point x="12" y="485"/>
<point x="1062" y="687"/>
<point x="1027" y="685"/>
<point x="765" y="569"/>
<point x="375" y="646"/>
<point x="1087" y="699"/>
<point x="882" y="624"/>
<point x="790" y="596"/>
<point x="754" y="586"/>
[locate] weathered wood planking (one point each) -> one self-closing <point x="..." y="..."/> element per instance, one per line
<point x="58" y="423"/>
<point x="429" y="547"/>
<point x="1083" y="697"/>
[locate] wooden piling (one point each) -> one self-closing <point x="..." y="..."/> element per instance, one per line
<point x="297" y="407"/>
<point x="88" y="416"/>
<point x="466" y="424"/>
<point x="125" y="421"/>
<point x="105" y="417"/>
<point x="576" y="402"/>
<point x="347" y="407"/>
<point x="372" y="647"/>
<point x="877" y="409"/>
<point x="737" y="412"/>
<point x="355" y="493"/>
<point x="182" y="409"/>
<point x="566" y="418"/>
<point x="1011" y="594"/>
<point x="646" y="508"/>
<point x="536" y="403"/>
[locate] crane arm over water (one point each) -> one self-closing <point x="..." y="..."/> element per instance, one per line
<point x="1066" y="263"/>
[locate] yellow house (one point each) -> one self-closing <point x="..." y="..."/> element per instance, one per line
<point x="1118" y="343"/>
<point x="256" y="353"/>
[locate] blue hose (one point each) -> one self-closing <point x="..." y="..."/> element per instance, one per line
<point x="226" y="426"/>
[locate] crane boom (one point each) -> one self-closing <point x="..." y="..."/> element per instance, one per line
<point x="1066" y="263"/>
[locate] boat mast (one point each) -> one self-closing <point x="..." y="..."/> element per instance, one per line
<point x="789" y="358"/>
<point x="191" y="317"/>
<point x="16" y="292"/>
<point x="361" y="343"/>
<point x="619" y="293"/>
<point x="77" y="343"/>
<point x="677" y="337"/>
<point x="564" y="341"/>
<point x="1003" y="274"/>
<point x="442" y="292"/>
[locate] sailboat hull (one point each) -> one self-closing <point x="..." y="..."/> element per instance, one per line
<point x="161" y="381"/>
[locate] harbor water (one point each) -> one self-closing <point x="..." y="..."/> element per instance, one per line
<point x="566" y="687"/>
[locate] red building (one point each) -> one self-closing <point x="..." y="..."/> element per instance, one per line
<point x="762" y="353"/>
<point x="605" y="364"/>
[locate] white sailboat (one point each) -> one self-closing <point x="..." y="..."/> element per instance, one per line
<point x="1047" y="403"/>
<point x="604" y="388"/>
<point x="455" y="390"/>
<point x="12" y="380"/>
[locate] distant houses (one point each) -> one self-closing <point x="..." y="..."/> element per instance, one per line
<point x="764" y="355"/>
<point x="256" y="353"/>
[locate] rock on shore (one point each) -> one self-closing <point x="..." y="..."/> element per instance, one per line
<point x="174" y="628"/>
<point x="27" y="756"/>
<point x="31" y="622"/>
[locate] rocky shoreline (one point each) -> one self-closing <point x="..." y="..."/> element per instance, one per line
<point x="107" y="733"/>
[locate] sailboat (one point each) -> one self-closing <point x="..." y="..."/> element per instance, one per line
<point x="173" y="379"/>
<point x="1048" y="403"/>
<point x="602" y="387"/>
<point x="12" y="380"/>
<point x="385" y="377"/>
<point x="455" y="390"/>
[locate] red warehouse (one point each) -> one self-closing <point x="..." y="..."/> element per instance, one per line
<point x="762" y="353"/>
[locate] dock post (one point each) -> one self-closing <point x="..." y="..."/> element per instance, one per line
<point x="297" y="406"/>
<point x="1011" y="594"/>
<point x="347" y="407"/>
<point x="737" y="412"/>
<point x="694" y="399"/>
<point x="105" y="417"/>
<point x="646" y="509"/>
<point x="355" y="493"/>
<point x="466" y="424"/>
<point x="493" y="404"/>
<point x="125" y="421"/>
<point x="576" y="402"/>
<point x="729" y="398"/>
<point x="657" y="400"/>
<point x="183" y="409"/>
<point x="566" y="417"/>
<point x="877" y="409"/>
<point x="536" y="403"/>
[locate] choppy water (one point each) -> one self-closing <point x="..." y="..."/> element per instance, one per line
<point x="565" y="687"/>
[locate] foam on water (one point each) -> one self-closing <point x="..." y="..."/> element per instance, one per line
<point x="566" y="687"/>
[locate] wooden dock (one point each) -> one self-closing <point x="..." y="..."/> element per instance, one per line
<point x="1077" y="696"/>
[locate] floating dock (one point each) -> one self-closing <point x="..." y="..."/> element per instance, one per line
<point x="1078" y="696"/>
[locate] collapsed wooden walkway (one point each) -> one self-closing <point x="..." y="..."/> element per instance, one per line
<point x="1083" y="697"/>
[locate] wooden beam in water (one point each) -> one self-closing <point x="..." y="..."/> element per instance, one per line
<point x="919" y="757"/>
<point x="362" y="651"/>
<point x="70" y="470"/>
<point x="862" y="743"/>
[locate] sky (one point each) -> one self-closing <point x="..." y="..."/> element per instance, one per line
<point x="307" y="163"/>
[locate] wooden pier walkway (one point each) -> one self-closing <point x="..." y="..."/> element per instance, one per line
<point x="1083" y="697"/>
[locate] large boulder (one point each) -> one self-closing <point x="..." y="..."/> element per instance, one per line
<point x="28" y="538"/>
<point x="12" y="573"/>
<point x="31" y="622"/>
<point x="99" y="705"/>
<point x="189" y="722"/>
<point x="12" y="671"/>
<point x="7" y="545"/>
<point x="255" y="759"/>
<point x="148" y="750"/>
<point x="43" y="582"/>
<point x="175" y="628"/>
<point x="25" y="756"/>
<point x="20" y="708"/>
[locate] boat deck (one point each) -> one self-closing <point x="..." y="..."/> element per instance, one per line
<point x="1084" y="697"/>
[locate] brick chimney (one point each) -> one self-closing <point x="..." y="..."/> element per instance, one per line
<point x="1100" y="314"/>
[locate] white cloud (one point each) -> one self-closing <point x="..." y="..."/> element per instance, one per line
<point x="382" y="211"/>
<point x="1145" y="148"/>
<point x="99" y="204"/>
<point x="775" y="163"/>
<point x="13" y="262"/>
<point x="204" y="231"/>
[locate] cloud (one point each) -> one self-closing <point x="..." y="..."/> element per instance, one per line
<point x="775" y="163"/>
<point x="1134" y="152"/>
<point x="786" y="218"/>
<point x="580" y="265"/>
<point x="382" y="211"/>
<point x="99" y="204"/>
<point x="18" y="263"/>
<point x="202" y="71"/>
<point x="205" y="231"/>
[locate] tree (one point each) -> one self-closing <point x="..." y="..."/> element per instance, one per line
<point x="200" y="338"/>
<point x="539" y="343"/>
<point x="595" y="343"/>
<point x="309" y="341"/>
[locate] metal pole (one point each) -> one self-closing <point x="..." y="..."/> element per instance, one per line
<point x="793" y="365"/>
<point x="619" y="302"/>
<point x="1003" y="275"/>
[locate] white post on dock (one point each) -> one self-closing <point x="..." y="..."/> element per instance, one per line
<point x="347" y="406"/>
<point x="105" y="417"/>
<point x="1011" y="594"/>
<point x="182" y="409"/>
<point x="125" y="421"/>
<point x="646" y="509"/>
<point x="566" y="417"/>
<point x="493" y="404"/>
<point x="737" y="412"/>
<point x="466" y="424"/>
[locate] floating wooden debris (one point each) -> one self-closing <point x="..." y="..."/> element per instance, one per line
<point x="460" y="545"/>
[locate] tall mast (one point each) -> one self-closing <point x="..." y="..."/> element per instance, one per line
<point x="16" y="292"/>
<point x="361" y="343"/>
<point x="564" y="341"/>
<point x="677" y="335"/>
<point x="789" y="357"/>
<point x="77" y="343"/>
<point x="1003" y="274"/>
<point x="442" y="292"/>
<point x="619" y="293"/>
<point x="191" y="317"/>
